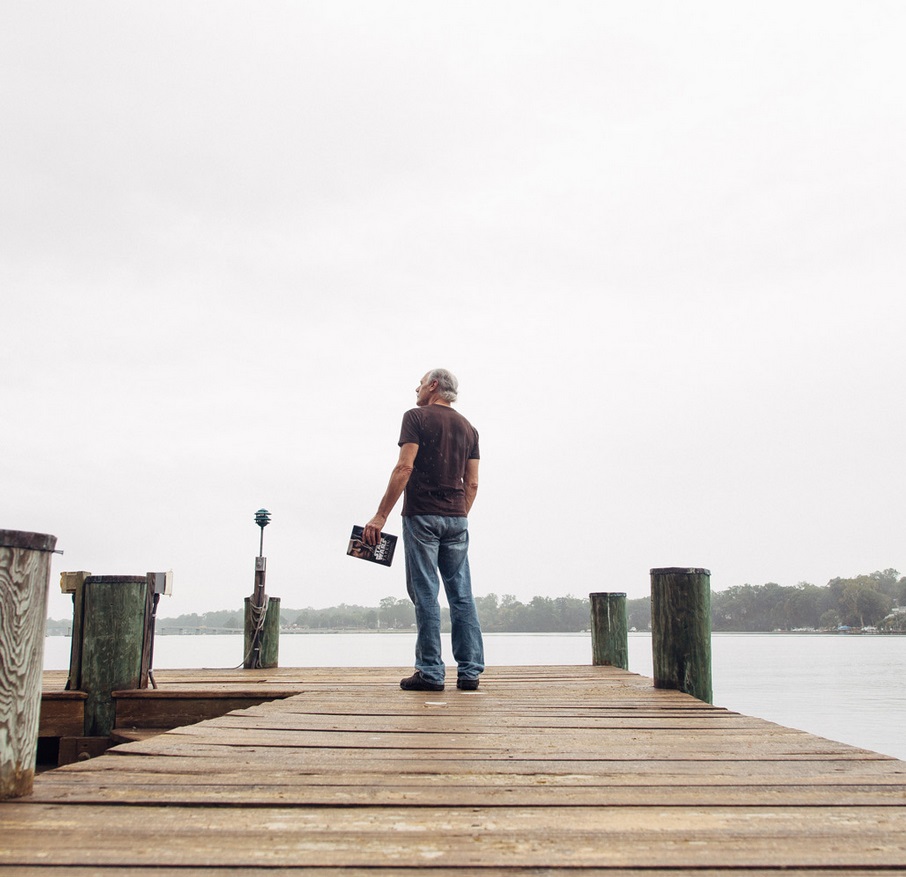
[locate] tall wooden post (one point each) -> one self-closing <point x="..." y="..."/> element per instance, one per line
<point x="609" y="636"/>
<point x="681" y="630"/>
<point x="24" y="578"/>
<point x="113" y="643"/>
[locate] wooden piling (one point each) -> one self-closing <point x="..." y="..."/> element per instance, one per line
<point x="681" y="630"/>
<point x="114" y="625"/>
<point x="262" y="635"/>
<point x="609" y="636"/>
<point x="24" y="577"/>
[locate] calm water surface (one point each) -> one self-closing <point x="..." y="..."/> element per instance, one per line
<point x="846" y="688"/>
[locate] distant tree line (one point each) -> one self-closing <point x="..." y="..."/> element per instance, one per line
<point x="503" y="614"/>
<point x="497" y="614"/>
<point x="863" y="601"/>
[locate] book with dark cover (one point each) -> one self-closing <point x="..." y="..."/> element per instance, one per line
<point x="381" y="553"/>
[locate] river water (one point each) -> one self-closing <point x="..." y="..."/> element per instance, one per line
<point x="846" y="688"/>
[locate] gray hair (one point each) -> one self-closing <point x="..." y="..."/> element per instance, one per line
<point x="448" y="386"/>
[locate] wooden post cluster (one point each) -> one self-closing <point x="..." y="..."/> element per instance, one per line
<point x="681" y="630"/>
<point x="609" y="636"/>
<point x="24" y="578"/>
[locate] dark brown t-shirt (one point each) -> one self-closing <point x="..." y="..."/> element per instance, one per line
<point x="446" y="440"/>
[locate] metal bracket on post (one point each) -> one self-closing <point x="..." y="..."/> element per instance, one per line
<point x="158" y="583"/>
<point x="74" y="583"/>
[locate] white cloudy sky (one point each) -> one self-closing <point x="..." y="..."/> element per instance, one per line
<point x="661" y="244"/>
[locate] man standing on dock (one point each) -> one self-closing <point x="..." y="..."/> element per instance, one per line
<point x="438" y="470"/>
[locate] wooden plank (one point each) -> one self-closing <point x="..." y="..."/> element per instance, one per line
<point x="207" y="679"/>
<point x="513" y="679"/>
<point x="634" y="746"/>
<point x="571" y="734"/>
<point x="337" y="764"/>
<point x="306" y="719"/>
<point x="62" y="714"/>
<point x="454" y="791"/>
<point x="639" y="837"/>
<point x="131" y="735"/>
<point x="300" y="870"/>
<point x="165" y="710"/>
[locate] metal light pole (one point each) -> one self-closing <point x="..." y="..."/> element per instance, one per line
<point x="262" y="519"/>
<point x="258" y="600"/>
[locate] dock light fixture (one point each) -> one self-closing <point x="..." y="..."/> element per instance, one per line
<point x="262" y="519"/>
<point x="162" y="582"/>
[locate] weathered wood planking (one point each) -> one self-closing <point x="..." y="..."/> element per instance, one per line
<point x="543" y="770"/>
<point x="185" y="697"/>
<point x="483" y="871"/>
<point x="408" y="837"/>
<point x="171" y="709"/>
<point x="62" y="714"/>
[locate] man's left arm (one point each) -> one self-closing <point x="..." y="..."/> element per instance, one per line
<point x="399" y="478"/>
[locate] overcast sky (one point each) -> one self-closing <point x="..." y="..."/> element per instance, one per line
<point x="661" y="244"/>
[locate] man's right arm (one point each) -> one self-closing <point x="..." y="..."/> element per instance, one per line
<point x="399" y="478"/>
<point x="470" y="482"/>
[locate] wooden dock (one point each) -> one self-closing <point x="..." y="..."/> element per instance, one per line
<point x="544" y="770"/>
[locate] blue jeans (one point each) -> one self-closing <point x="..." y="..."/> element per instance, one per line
<point x="437" y="543"/>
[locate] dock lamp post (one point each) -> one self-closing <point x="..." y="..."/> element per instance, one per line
<point x="262" y="519"/>
<point x="258" y="602"/>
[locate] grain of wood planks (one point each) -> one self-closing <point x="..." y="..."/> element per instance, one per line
<point x="543" y="770"/>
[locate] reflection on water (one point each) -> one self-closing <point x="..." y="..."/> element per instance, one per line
<point x="846" y="688"/>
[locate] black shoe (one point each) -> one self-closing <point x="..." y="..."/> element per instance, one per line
<point x="467" y="684"/>
<point x="417" y="682"/>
